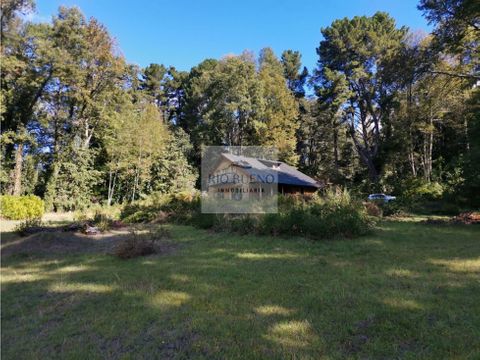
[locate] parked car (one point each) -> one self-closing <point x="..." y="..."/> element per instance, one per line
<point x="381" y="197"/>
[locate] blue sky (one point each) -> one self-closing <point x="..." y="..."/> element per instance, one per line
<point x="183" y="33"/>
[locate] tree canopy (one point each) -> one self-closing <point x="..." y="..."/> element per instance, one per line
<point x="384" y="109"/>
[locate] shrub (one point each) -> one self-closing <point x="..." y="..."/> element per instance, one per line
<point x="26" y="227"/>
<point x="203" y="221"/>
<point x="392" y="208"/>
<point x="237" y="223"/>
<point x="103" y="218"/>
<point x="133" y="247"/>
<point x="373" y="209"/>
<point x="180" y="208"/>
<point x="334" y="214"/>
<point x="270" y="224"/>
<point x="21" y="207"/>
<point x="138" y="244"/>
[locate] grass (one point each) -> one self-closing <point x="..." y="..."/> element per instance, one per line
<point x="409" y="291"/>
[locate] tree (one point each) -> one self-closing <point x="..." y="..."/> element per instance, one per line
<point x="223" y="103"/>
<point x="85" y="90"/>
<point x="292" y="62"/>
<point x="171" y="172"/>
<point x="139" y="138"/>
<point x="9" y="18"/>
<point x="457" y="23"/>
<point x="26" y="72"/>
<point x="280" y="116"/>
<point x="357" y="52"/>
<point x="73" y="188"/>
<point x="165" y="89"/>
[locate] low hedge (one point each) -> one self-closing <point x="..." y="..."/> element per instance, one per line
<point x="333" y="215"/>
<point x="21" y="207"/>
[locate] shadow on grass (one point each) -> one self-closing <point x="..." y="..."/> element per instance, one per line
<point x="399" y="293"/>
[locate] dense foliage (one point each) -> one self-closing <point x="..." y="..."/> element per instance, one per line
<point x="21" y="207"/>
<point x="327" y="216"/>
<point x="389" y="110"/>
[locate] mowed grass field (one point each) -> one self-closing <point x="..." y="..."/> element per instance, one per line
<point x="409" y="291"/>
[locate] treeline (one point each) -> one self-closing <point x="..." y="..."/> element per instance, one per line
<point x="384" y="109"/>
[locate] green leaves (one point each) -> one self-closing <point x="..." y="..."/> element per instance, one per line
<point x="349" y="80"/>
<point x="233" y="102"/>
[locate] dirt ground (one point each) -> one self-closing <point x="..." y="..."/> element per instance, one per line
<point x="55" y="240"/>
<point x="59" y="242"/>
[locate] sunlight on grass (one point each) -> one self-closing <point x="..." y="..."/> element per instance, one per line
<point x="70" y="269"/>
<point x="18" y="277"/>
<point x="254" y="256"/>
<point x="167" y="299"/>
<point x="292" y="334"/>
<point x="180" y="278"/>
<point x="403" y="304"/>
<point x="80" y="287"/>
<point x="459" y="265"/>
<point x="402" y="273"/>
<point x="36" y="273"/>
<point x="267" y="310"/>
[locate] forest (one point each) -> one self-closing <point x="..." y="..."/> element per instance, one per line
<point x="386" y="109"/>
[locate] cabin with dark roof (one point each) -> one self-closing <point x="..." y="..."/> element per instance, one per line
<point x="230" y="171"/>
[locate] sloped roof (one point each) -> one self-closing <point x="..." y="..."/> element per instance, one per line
<point x="287" y="175"/>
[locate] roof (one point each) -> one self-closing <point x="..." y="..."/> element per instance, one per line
<point x="287" y="175"/>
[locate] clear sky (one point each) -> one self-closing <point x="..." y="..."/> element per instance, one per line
<point x="183" y="33"/>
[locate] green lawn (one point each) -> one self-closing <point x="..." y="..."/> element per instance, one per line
<point x="410" y="291"/>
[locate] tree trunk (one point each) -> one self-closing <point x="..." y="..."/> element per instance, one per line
<point x="134" y="184"/>
<point x="16" y="176"/>
<point x="411" y="159"/>
<point x="411" y="152"/>
<point x="111" y="186"/>
<point x="428" y="151"/>
<point x="366" y="155"/>
<point x="335" y="150"/>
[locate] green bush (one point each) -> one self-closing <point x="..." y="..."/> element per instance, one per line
<point x="21" y="207"/>
<point x="333" y="214"/>
<point x="25" y="226"/>
<point x="422" y="190"/>
<point x="203" y="221"/>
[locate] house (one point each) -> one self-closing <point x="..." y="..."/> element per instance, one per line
<point x="238" y="177"/>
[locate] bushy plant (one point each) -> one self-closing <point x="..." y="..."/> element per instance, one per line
<point x="203" y="221"/>
<point x="422" y="190"/>
<point x="102" y="222"/>
<point x="392" y="208"/>
<point x="25" y="227"/>
<point x="373" y="209"/>
<point x="180" y="207"/>
<point x="237" y="223"/>
<point x="21" y="207"/>
<point x="138" y="244"/>
<point x="333" y="214"/>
